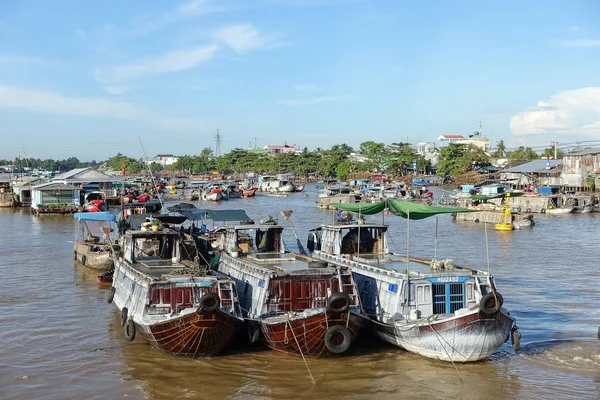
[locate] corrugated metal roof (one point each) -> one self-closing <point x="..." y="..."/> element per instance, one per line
<point x="593" y="150"/>
<point x="535" y="166"/>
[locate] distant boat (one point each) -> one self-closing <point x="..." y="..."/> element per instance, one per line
<point x="94" y="251"/>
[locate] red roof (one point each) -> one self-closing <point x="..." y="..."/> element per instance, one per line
<point x="454" y="136"/>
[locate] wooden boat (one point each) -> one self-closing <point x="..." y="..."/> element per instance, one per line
<point x="448" y="313"/>
<point x="560" y="210"/>
<point x="211" y="195"/>
<point x="302" y="307"/>
<point x="164" y="297"/>
<point x="249" y="192"/>
<point x="91" y="250"/>
<point x="7" y="197"/>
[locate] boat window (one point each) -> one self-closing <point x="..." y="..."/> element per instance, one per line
<point x="448" y="297"/>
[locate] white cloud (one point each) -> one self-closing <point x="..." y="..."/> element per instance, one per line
<point x="581" y="43"/>
<point x="173" y="61"/>
<point x="189" y="9"/>
<point x="116" y="89"/>
<point x="316" y="100"/>
<point x="244" y="38"/>
<point x="32" y="100"/>
<point x="571" y="112"/>
<point x="307" y="87"/>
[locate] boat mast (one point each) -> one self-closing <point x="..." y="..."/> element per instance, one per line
<point x="407" y="261"/>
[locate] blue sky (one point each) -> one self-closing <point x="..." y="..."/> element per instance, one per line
<point x="86" y="79"/>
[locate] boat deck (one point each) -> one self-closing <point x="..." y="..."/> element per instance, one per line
<point x="398" y="263"/>
<point x="156" y="267"/>
<point x="285" y="263"/>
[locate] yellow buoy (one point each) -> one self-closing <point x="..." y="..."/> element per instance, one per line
<point x="507" y="224"/>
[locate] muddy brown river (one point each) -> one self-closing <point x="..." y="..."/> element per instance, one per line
<point x="59" y="339"/>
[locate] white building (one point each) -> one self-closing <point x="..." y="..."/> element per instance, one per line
<point x="164" y="159"/>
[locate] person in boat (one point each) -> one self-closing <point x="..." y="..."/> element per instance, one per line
<point x="349" y="242"/>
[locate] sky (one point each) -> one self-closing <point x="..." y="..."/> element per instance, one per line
<point x="95" y="78"/>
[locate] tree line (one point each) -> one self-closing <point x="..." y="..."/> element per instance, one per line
<point x="396" y="159"/>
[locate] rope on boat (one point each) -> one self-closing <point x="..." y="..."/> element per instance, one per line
<point x="299" y="348"/>
<point x="446" y="351"/>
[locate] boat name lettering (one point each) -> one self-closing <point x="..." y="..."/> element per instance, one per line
<point x="449" y="279"/>
<point x="393" y="287"/>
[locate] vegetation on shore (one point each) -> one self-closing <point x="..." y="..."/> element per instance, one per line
<point x="395" y="159"/>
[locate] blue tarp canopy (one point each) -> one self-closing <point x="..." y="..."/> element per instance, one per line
<point x="95" y="216"/>
<point x="216" y="215"/>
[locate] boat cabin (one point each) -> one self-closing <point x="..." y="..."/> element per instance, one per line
<point x="157" y="253"/>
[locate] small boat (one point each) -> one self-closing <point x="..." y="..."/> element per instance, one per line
<point x="164" y="296"/>
<point x="249" y="192"/>
<point x="91" y="250"/>
<point x="433" y="308"/>
<point x="211" y="195"/>
<point x="303" y="307"/>
<point x="560" y="210"/>
<point x="8" y="197"/>
<point x="299" y="187"/>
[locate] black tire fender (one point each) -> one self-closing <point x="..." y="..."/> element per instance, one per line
<point x="317" y="264"/>
<point x="209" y="302"/>
<point x="528" y="210"/>
<point x="543" y="210"/>
<point x="111" y="295"/>
<point x="83" y="259"/>
<point x="335" y="331"/>
<point x="124" y="316"/>
<point x="515" y="337"/>
<point x="74" y="255"/>
<point x="338" y="302"/>
<point x="129" y="330"/>
<point x="253" y="331"/>
<point x="488" y="305"/>
<point x="518" y="209"/>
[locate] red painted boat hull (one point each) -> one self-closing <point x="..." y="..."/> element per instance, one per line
<point x="199" y="334"/>
<point x="306" y="336"/>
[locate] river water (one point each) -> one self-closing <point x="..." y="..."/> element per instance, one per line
<point x="59" y="339"/>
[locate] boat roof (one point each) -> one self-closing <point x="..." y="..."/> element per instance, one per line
<point x="339" y="227"/>
<point x="149" y="234"/>
<point x="95" y="216"/>
<point x="215" y="215"/>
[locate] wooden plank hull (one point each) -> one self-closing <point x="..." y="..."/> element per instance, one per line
<point x="197" y="334"/>
<point x="309" y="332"/>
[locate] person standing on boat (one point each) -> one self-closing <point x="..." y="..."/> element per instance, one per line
<point x="349" y="242"/>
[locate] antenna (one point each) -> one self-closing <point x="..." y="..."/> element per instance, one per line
<point x="254" y="141"/>
<point x="217" y="144"/>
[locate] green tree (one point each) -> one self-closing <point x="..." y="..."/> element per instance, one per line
<point x="456" y="159"/>
<point x="550" y="152"/>
<point x="500" y="149"/>
<point x="522" y="154"/>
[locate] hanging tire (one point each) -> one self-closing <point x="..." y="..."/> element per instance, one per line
<point x="129" y="330"/>
<point x="515" y="337"/>
<point x="83" y="260"/>
<point x="338" y="302"/>
<point x="209" y="302"/>
<point x="124" y="315"/>
<point x="543" y="210"/>
<point x="75" y="255"/>
<point x="338" y="339"/>
<point x="253" y="331"/>
<point x="528" y="210"/>
<point x="490" y="303"/>
<point x="317" y="264"/>
<point x="111" y="295"/>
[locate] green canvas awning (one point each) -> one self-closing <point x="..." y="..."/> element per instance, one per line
<point x="361" y="208"/>
<point x="401" y="208"/>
